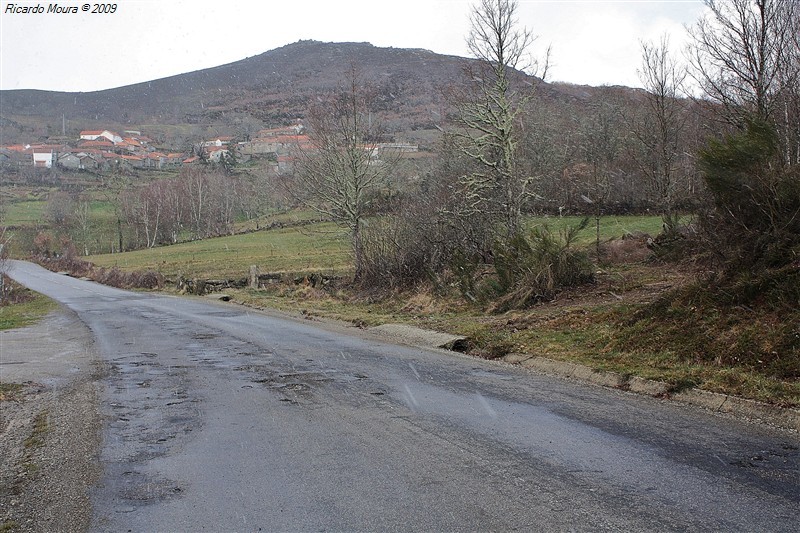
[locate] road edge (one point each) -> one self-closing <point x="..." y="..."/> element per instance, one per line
<point x="782" y="417"/>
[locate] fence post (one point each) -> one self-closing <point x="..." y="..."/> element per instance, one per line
<point x="254" y="273"/>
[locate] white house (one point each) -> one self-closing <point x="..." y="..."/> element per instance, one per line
<point x="93" y="135"/>
<point x="42" y="159"/>
<point x="216" y="153"/>
<point x="218" y="141"/>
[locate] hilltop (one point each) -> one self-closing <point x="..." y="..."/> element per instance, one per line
<point x="272" y="88"/>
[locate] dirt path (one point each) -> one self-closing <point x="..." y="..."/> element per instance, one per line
<point x="49" y="426"/>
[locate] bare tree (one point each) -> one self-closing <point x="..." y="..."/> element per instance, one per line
<point x="601" y="145"/>
<point x="489" y="111"/>
<point x="83" y="222"/>
<point x="790" y="95"/>
<point x="60" y="209"/>
<point x="744" y="55"/>
<point x="151" y="206"/>
<point x="659" y="131"/>
<point x="5" y="239"/>
<point x="338" y="175"/>
<point x="197" y="190"/>
<point x="114" y="189"/>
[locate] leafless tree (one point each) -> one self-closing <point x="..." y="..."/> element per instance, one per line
<point x="659" y="130"/>
<point x="5" y="239"/>
<point x="114" y="189"/>
<point x="4" y="242"/>
<point x="489" y="112"/>
<point x="60" y="208"/>
<point x="197" y="190"/>
<point x="744" y="55"/>
<point x="601" y="146"/>
<point x="339" y="173"/>
<point x="82" y="215"/>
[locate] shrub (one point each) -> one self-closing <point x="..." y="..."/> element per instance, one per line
<point x="400" y="251"/>
<point x="535" y="269"/>
<point x="756" y="220"/>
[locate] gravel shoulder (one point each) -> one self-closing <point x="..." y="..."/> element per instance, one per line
<point x="50" y="428"/>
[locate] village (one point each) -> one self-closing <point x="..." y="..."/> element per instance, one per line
<point x="106" y="150"/>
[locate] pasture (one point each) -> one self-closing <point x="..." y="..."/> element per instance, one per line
<point x="319" y="247"/>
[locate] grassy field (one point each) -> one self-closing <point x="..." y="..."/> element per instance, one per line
<point x="318" y="247"/>
<point x="611" y="227"/>
<point x="313" y="248"/>
<point x="24" y="212"/>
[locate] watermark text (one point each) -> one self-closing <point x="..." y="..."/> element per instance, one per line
<point x="58" y="9"/>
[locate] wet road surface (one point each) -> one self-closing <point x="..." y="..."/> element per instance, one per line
<point x="219" y="418"/>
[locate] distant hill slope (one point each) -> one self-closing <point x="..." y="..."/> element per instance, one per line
<point x="268" y="89"/>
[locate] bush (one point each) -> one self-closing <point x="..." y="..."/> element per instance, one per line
<point x="12" y="293"/>
<point x="535" y="269"/>
<point x="756" y="220"/>
<point x="114" y="277"/>
<point x="394" y="253"/>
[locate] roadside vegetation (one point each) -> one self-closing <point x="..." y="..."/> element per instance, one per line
<point x="22" y="307"/>
<point x="640" y="315"/>
<point x="649" y="232"/>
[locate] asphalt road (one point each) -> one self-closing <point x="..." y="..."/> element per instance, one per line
<point x="223" y="419"/>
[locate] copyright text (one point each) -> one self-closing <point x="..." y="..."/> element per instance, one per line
<point x="58" y="9"/>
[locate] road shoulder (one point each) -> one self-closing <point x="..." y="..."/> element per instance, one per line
<point x="50" y="427"/>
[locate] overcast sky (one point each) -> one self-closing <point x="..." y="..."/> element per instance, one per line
<point x="594" y="42"/>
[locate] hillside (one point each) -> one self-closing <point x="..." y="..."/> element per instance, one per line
<point x="267" y="89"/>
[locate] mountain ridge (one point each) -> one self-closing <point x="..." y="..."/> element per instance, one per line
<point x="272" y="88"/>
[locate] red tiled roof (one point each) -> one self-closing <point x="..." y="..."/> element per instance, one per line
<point x="48" y="146"/>
<point x="108" y="144"/>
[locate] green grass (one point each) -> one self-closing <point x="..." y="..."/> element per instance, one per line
<point x="41" y="425"/>
<point x="24" y="212"/>
<point x="9" y="525"/>
<point x="319" y="247"/>
<point x="29" y="312"/>
<point x="611" y="227"/>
